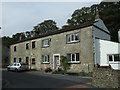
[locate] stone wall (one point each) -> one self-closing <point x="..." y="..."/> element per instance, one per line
<point x="106" y="78"/>
<point x="58" y="45"/>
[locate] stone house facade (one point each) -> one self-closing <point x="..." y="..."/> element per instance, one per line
<point x="76" y="43"/>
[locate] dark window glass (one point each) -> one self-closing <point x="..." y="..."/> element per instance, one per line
<point x="77" y="56"/>
<point x="110" y="58"/>
<point x="33" y="44"/>
<point x="15" y="48"/>
<point x="73" y="57"/>
<point x="117" y="57"/>
<point x="14" y="59"/>
<point x="27" y="59"/>
<point x="33" y="60"/>
<point x="20" y="59"/>
<point x="27" y="45"/>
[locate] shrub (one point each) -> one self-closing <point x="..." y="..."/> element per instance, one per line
<point x="48" y="70"/>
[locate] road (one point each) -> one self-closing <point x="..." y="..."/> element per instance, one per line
<point x="35" y="79"/>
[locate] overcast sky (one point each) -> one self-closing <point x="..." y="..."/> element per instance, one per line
<point x="22" y="16"/>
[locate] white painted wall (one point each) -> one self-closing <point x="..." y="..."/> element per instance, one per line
<point x="119" y="35"/>
<point x="102" y="49"/>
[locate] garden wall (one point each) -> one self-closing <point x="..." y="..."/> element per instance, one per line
<point x="106" y="78"/>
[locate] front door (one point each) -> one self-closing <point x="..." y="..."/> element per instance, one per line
<point x="56" y="62"/>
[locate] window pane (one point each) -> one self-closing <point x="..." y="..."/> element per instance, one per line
<point x="27" y="58"/>
<point x="68" y="38"/>
<point x="27" y="45"/>
<point x="33" y="60"/>
<point x="33" y="44"/>
<point x="77" y="36"/>
<point x="117" y="57"/>
<point x="20" y="59"/>
<point x="14" y="59"/>
<point x="45" y="42"/>
<point x="72" y="37"/>
<point x="110" y="58"/>
<point x="14" y="48"/>
<point x="77" y="56"/>
<point x="73" y="57"/>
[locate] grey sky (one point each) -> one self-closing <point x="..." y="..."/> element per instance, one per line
<point x="22" y="16"/>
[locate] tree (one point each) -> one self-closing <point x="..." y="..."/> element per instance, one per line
<point x="81" y="16"/>
<point x="44" y="27"/>
<point x="28" y="34"/>
<point x="64" y="63"/>
<point x="109" y="13"/>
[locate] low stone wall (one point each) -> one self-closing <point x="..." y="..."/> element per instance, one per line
<point x="106" y="78"/>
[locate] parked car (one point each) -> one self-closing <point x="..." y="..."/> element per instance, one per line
<point x="17" y="67"/>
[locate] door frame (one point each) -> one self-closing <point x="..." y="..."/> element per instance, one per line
<point x="54" y="60"/>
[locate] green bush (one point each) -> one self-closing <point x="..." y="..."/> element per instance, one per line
<point x="64" y="63"/>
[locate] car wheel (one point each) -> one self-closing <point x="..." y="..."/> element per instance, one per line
<point x="16" y="70"/>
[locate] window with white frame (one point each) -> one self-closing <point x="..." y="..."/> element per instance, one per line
<point x="73" y="37"/>
<point x="45" y="58"/>
<point x="114" y="58"/>
<point x="73" y="58"/>
<point x="45" y="42"/>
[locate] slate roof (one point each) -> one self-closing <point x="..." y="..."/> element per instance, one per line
<point x="67" y="29"/>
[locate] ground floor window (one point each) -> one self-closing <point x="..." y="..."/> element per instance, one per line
<point x="114" y="58"/>
<point x="20" y="59"/>
<point x="14" y="59"/>
<point x="45" y="58"/>
<point x="73" y="58"/>
<point x="27" y="60"/>
<point x="33" y="60"/>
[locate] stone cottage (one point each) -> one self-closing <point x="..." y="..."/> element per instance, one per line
<point x="76" y="43"/>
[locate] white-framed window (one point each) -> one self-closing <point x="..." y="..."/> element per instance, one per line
<point x="114" y="58"/>
<point x="45" y="58"/>
<point x="73" y="58"/>
<point x="45" y="42"/>
<point x="73" y="37"/>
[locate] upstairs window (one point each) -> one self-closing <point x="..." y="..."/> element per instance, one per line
<point x="73" y="58"/>
<point x="33" y="44"/>
<point x="73" y="38"/>
<point x="46" y="42"/>
<point x="15" y="49"/>
<point x="27" y="46"/>
<point x="45" y="58"/>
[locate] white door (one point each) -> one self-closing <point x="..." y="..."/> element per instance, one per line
<point x="56" y="61"/>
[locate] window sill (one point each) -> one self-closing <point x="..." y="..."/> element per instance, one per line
<point x="45" y="46"/>
<point x="45" y="62"/>
<point x="77" y="62"/>
<point x="73" y="42"/>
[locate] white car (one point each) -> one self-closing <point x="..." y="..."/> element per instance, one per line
<point x="17" y="67"/>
